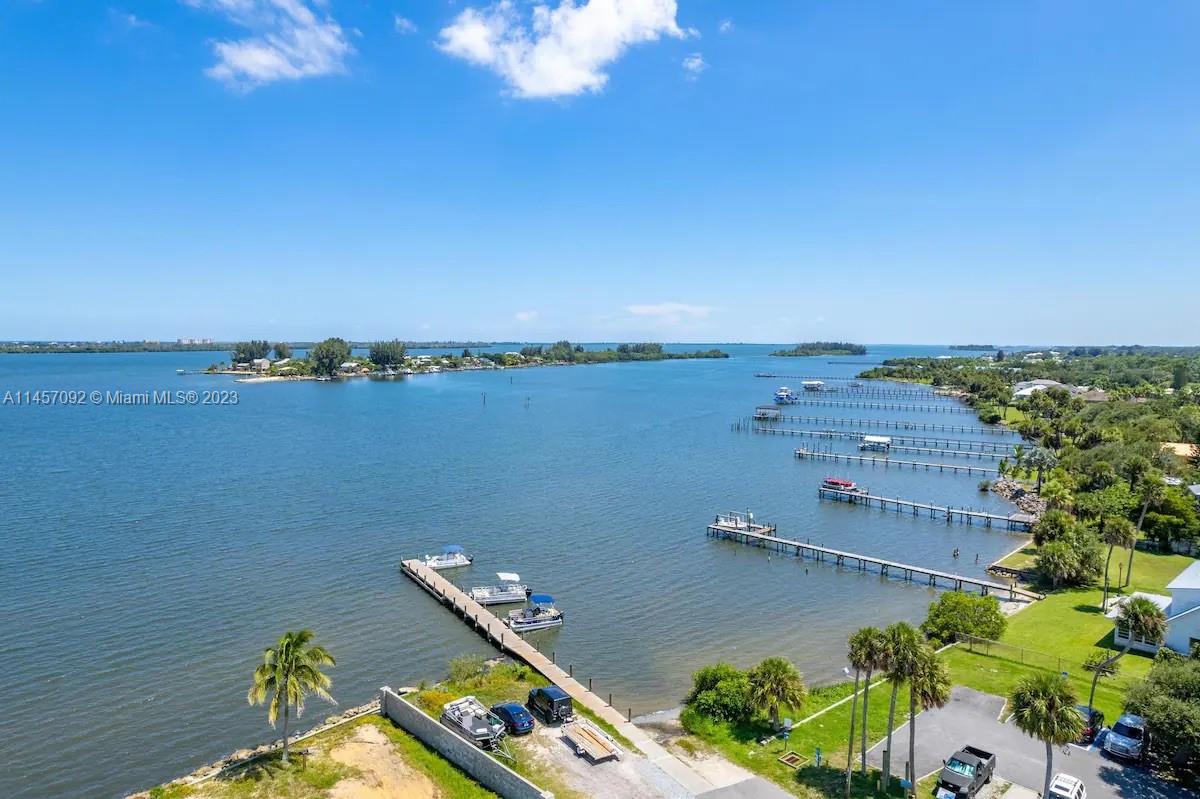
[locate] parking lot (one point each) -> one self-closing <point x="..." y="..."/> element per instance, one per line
<point x="972" y="718"/>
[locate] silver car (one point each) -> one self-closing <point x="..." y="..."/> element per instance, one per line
<point x="1126" y="737"/>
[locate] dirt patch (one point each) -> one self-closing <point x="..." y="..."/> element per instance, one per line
<point x="383" y="773"/>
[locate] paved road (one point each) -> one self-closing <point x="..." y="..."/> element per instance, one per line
<point x="972" y="718"/>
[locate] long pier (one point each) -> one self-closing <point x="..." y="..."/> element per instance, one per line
<point x="894" y="424"/>
<point x="1015" y="522"/>
<point x="880" y="406"/>
<point x="838" y="457"/>
<point x="735" y="528"/>
<point x="508" y="642"/>
<point x="960" y="453"/>
<point x="997" y="447"/>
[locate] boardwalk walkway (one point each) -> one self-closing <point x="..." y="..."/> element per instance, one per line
<point x="494" y="630"/>
<point x="887" y="463"/>
<point x="880" y="406"/>
<point x="1019" y="522"/>
<point x="897" y="424"/>
<point x="765" y="536"/>
<point x="999" y="447"/>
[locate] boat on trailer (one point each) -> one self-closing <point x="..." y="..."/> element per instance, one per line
<point x="471" y="719"/>
<point x="539" y="613"/>
<point x="510" y="590"/>
<point x="838" y="484"/>
<point x="452" y="557"/>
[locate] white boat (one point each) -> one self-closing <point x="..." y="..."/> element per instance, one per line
<point x="784" y="394"/>
<point x="538" y="614"/>
<point x="813" y="385"/>
<point x="452" y="557"/>
<point x="510" y="590"/>
<point x="471" y="719"/>
<point x="876" y="443"/>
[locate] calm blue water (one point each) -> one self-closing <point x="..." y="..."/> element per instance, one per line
<point x="151" y="553"/>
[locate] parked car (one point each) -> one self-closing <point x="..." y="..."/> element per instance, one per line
<point x="517" y="720"/>
<point x="1091" y="724"/>
<point x="551" y="703"/>
<point x="1126" y="737"/>
<point x="968" y="770"/>
<point x="1064" y="786"/>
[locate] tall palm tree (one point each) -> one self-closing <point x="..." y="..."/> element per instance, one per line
<point x="1057" y="495"/>
<point x="1152" y="491"/>
<point x="928" y="687"/>
<point x="1043" y="460"/>
<point x="1118" y="532"/>
<point x="1143" y="619"/>
<point x="876" y="657"/>
<point x="776" y="682"/>
<point x="864" y="653"/>
<point x="289" y="672"/>
<point x="1018" y="457"/>
<point x="1043" y="707"/>
<point x="904" y="642"/>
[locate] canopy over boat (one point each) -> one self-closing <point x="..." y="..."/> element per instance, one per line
<point x="509" y="577"/>
<point x="541" y="599"/>
<point x="451" y="549"/>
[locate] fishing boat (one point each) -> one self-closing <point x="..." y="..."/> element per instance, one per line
<point x="876" y="443"/>
<point x="838" y="484"/>
<point x="538" y="614"/>
<point x="452" y="557"/>
<point x="783" y="395"/>
<point x="472" y="720"/>
<point x="510" y="589"/>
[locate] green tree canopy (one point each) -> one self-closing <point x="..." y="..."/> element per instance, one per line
<point x="246" y="351"/>
<point x="955" y="612"/>
<point x="327" y="356"/>
<point x="774" y="683"/>
<point x="282" y="350"/>
<point x="388" y="353"/>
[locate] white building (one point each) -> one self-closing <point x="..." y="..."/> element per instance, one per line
<point x="1182" y="609"/>
<point x="260" y="364"/>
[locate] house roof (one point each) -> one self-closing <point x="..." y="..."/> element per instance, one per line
<point x="1181" y="448"/>
<point x="1188" y="578"/>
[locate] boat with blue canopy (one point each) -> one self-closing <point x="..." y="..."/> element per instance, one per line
<point x="452" y="557"/>
<point x="539" y="613"/>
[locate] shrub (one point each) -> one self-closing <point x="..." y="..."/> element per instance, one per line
<point x="466" y="668"/>
<point x="721" y="692"/>
<point x="985" y="485"/>
<point x="955" y="613"/>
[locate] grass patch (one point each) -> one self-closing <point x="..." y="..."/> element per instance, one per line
<point x="829" y="732"/>
<point x="1023" y="558"/>
<point x="453" y="783"/>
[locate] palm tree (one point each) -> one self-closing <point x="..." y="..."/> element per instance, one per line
<point x="876" y="657"/>
<point x="1018" y="457"/>
<point x="929" y="687"/>
<point x="1043" y="707"/>
<point x="1152" y="491"/>
<point x="1119" y="532"/>
<point x="1002" y="468"/>
<point x="1041" y="459"/>
<point x="1056" y="494"/>
<point x="864" y="653"/>
<point x="776" y="682"/>
<point x="1143" y="619"/>
<point x="904" y="642"/>
<point x="289" y="672"/>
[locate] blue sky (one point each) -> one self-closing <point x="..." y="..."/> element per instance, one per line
<point x="629" y="169"/>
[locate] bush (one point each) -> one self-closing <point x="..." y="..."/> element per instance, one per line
<point x="465" y="668"/>
<point x="720" y="692"/>
<point x="985" y="485"/>
<point x="1169" y="699"/>
<point x="955" y="613"/>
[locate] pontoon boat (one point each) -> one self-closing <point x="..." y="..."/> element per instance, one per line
<point x="538" y="614"/>
<point x="472" y="720"/>
<point x="452" y="557"/>
<point x="510" y="589"/>
<point x="838" y="484"/>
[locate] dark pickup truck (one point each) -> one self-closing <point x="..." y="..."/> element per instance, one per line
<point x="968" y="770"/>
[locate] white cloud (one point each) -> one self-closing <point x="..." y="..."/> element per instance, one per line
<point x="525" y="316"/>
<point x="405" y="25"/>
<point x="288" y="40"/>
<point x="671" y="312"/>
<point x="725" y="26"/>
<point x="129" y="20"/>
<point x="693" y="65"/>
<point x="561" y="51"/>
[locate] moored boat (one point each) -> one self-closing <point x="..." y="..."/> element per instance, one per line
<point x="783" y="395"/>
<point x="538" y="614"/>
<point x="452" y="557"/>
<point x="510" y="589"/>
<point x="838" y="484"/>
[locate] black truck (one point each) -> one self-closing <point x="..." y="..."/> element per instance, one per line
<point x="968" y="770"/>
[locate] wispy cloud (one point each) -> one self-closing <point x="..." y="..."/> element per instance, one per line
<point x="525" y="316"/>
<point x="561" y="51"/>
<point x="404" y="25"/>
<point x="725" y="26"/>
<point x="693" y="65"/>
<point x="288" y="40"/>
<point x="128" y="20"/>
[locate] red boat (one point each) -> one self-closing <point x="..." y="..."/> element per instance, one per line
<point x="838" y="484"/>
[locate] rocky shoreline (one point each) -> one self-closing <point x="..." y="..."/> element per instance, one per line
<point x="1016" y="493"/>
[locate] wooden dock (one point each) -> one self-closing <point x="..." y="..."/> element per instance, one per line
<point x="838" y="457"/>
<point x="959" y="453"/>
<point x="762" y="535"/>
<point x="1014" y="522"/>
<point x="493" y="629"/>
<point x="1003" y="448"/>
<point x="879" y="406"/>
<point x="895" y="424"/>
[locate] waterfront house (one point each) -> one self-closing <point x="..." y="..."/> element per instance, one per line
<point x="1182" y="609"/>
<point x="260" y="364"/>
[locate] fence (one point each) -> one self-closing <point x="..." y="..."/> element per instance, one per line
<point x="1018" y="654"/>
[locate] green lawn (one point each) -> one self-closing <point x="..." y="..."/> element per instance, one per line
<point x="1014" y="416"/>
<point x="1021" y="559"/>
<point x="829" y="732"/>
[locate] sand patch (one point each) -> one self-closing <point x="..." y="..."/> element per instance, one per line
<point x="385" y="775"/>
